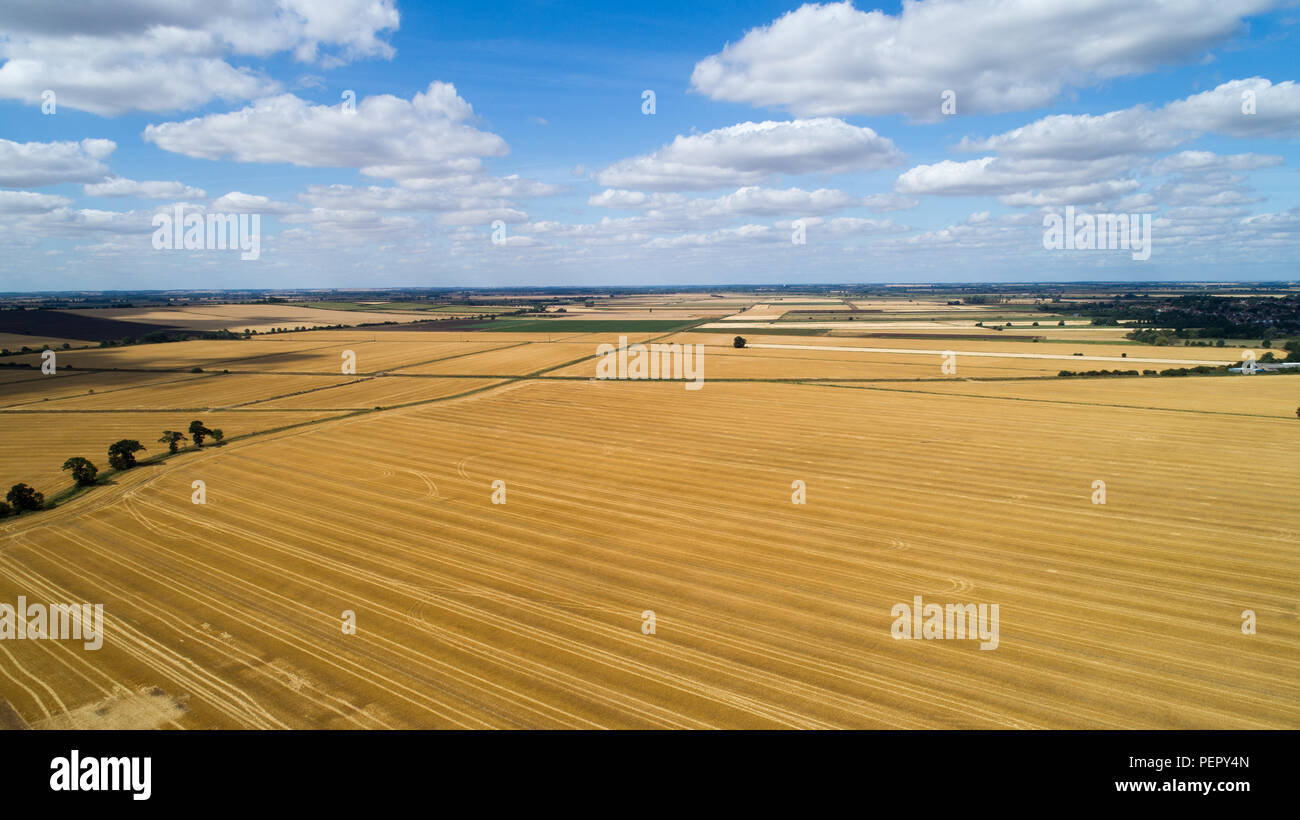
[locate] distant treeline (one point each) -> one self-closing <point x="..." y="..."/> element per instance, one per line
<point x="1197" y="315"/>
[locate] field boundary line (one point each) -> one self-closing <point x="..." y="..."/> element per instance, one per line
<point x="982" y="354"/>
<point x="1050" y="401"/>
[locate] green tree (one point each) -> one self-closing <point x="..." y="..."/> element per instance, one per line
<point x="739" y="341"/>
<point x="23" y="497"/>
<point x="83" y="472"/>
<point x="172" y="439"/>
<point x="217" y="435"/>
<point x="1061" y="323"/>
<point x="121" y="454"/>
<point x="5" y="509"/>
<point x="198" y="432"/>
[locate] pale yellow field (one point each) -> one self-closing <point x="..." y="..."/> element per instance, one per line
<point x="17" y="341"/>
<point x="319" y="352"/>
<point x="382" y="390"/>
<point x="35" y="443"/>
<point x="761" y="312"/>
<point x="753" y="363"/>
<point x="768" y="613"/>
<point x="1263" y="395"/>
<point x="626" y="497"/>
<point x="173" y="355"/>
<point x="219" y="390"/>
<point x="492" y="338"/>
<point x="327" y="355"/>
<point x="64" y="385"/>
<point x="723" y="361"/>
<point x="259" y="318"/>
<point x="723" y="341"/>
<point x="17" y="374"/>
<point x="917" y="306"/>
<point x="520" y="359"/>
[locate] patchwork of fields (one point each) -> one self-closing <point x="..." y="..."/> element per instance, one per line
<point x="378" y="493"/>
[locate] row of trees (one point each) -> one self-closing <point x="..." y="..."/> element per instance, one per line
<point x="121" y="456"/>
<point x="198" y="432"/>
<point x="21" y="498"/>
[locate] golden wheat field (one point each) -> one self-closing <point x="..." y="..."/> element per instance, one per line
<point x="260" y="318"/>
<point x="502" y="529"/>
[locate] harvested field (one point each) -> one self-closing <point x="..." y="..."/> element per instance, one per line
<point x="61" y="387"/>
<point x="173" y="355"/>
<point x="1223" y="355"/>
<point x="908" y="359"/>
<point x="89" y="325"/>
<point x="625" y="497"/>
<point x="18" y="374"/>
<point x="383" y="390"/>
<point x="326" y="355"/>
<point x="516" y="360"/>
<point x="1275" y="396"/>
<point x="463" y="337"/>
<point x="237" y="318"/>
<point x="584" y="325"/>
<point x="768" y="614"/>
<point x="217" y="391"/>
<point x="17" y="341"/>
<point x="35" y="443"/>
<point x="760" y="365"/>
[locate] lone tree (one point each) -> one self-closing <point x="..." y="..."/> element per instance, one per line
<point x="23" y="497"/>
<point x="739" y="341"/>
<point x="82" y="470"/>
<point x="121" y="454"/>
<point x="217" y="435"/>
<point x="173" y="440"/>
<point x="198" y="432"/>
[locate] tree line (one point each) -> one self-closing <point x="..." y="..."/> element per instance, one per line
<point x="121" y="456"/>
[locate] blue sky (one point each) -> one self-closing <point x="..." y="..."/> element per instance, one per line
<point x="507" y="145"/>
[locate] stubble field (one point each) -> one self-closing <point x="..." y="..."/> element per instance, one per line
<point x="623" y="498"/>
